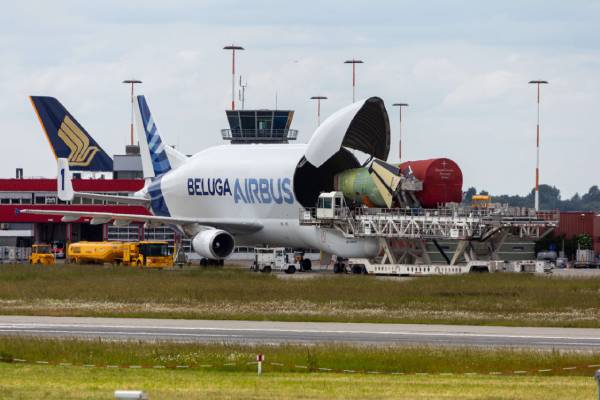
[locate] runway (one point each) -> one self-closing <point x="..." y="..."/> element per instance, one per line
<point x="255" y="332"/>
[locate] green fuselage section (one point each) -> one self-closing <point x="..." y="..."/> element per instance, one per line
<point x="358" y="187"/>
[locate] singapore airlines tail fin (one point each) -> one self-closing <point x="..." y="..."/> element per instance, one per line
<point x="68" y="138"/>
<point x="157" y="158"/>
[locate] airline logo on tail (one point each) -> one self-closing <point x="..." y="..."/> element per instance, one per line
<point x="158" y="154"/>
<point x="68" y="138"/>
<point x="81" y="153"/>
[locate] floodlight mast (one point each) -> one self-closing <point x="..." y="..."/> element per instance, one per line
<point x="353" y="62"/>
<point x="400" y="105"/>
<point x="132" y="82"/>
<point x="318" y="99"/>
<point x="537" y="146"/>
<point x="233" y="49"/>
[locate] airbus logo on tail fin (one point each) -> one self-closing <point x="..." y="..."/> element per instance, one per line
<point x="81" y="153"/>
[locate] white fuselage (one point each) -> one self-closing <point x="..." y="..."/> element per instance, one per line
<point x="253" y="183"/>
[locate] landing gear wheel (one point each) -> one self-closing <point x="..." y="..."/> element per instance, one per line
<point x="266" y="270"/>
<point x="357" y="269"/>
<point x="291" y="269"/>
<point x="337" y="268"/>
<point x="305" y="265"/>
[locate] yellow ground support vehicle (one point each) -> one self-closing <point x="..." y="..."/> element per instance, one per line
<point x="95" y="252"/>
<point x="150" y="254"/>
<point x="42" y="254"/>
<point x="481" y="201"/>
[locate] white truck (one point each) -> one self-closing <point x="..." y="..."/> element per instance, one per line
<point x="267" y="259"/>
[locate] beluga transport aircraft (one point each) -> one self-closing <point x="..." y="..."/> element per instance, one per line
<point x="246" y="194"/>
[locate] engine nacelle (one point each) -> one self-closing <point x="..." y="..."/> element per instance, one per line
<point x="214" y="244"/>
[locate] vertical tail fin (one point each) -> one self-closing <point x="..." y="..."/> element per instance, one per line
<point x="68" y="138"/>
<point x="154" y="156"/>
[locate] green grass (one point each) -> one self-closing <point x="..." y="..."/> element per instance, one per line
<point x="35" y="382"/>
<point x="52" y="381"/>
<point x="338" y="357"/>
<point x="492" y="299"/>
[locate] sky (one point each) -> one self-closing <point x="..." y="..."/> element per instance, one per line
<point x="463" y="67"/>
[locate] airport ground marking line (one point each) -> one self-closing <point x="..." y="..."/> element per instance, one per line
<point x="517" y="372"/>
<point x="108" y="333"/>
<point x="288" y="330"/>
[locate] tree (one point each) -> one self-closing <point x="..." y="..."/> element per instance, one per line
<point x="469" y="194"/>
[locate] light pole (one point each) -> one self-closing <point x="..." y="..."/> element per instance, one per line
<point x="400" y="105"/>
<point x="353" y="62"/>
<point x="233" y="48"/>
<point x="132" y="82"/>
<point x="318" y="99"/>
<point x="537" y="147"/>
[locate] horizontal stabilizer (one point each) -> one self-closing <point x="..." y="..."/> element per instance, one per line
<point x="386" y="178"/>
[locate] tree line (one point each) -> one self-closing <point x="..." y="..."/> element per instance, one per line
<point x="550" y="199"/>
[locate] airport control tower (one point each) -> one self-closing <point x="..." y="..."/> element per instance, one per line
<point x="259" y="126"/>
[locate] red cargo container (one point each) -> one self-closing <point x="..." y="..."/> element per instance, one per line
<point x="442" y="181"/>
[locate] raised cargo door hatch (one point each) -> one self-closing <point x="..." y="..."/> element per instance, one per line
<point x="362" y="126"/>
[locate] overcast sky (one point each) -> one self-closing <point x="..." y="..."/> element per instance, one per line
<point x="462" y="65"/>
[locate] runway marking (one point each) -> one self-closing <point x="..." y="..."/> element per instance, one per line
<point x="288" y="330"/>
<point x="157" y="334"/>
<point x="544" y="370"/>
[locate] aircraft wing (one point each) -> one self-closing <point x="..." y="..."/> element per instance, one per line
<point x="138" y="201"/>
<point x="102" y="218"/>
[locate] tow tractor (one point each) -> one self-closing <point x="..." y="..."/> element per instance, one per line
<point x="42" y="254"/>
<point x="267" y="259"/>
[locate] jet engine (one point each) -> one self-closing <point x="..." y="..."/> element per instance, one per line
<point x="214" y="244"/>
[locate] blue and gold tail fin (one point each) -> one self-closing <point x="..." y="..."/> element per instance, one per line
<point x="68" y="138"/>
<point x="155" y="161"/>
